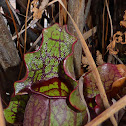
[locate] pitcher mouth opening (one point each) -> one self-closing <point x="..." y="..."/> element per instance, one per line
<point x="52" y="88"/>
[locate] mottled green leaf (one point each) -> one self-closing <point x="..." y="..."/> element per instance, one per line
<point x="108" y="73"/>
<point x="14" y="113"/>
<point x="45" y="67"/>
<point x="76" y="100"/>
<point x="50" y="75"/>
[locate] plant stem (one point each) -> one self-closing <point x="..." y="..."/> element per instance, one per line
<point x="2" y="121"/>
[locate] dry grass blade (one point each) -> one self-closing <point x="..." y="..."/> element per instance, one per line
<point x="103" y="34"/>
<point x="62" y="13"/>
<point x="109" y="17"/>
<point x="25" y="39"/>
<point x="18" y="20"/>
<point x="92" y="64"/>
<point x="15" y="28"/>
<point x="108" y="112"/>
<point x="99" y="59"/>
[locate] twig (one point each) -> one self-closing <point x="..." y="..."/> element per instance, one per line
<point x="103" y="34"/>
<point x="19" y="33"/>
<point x="117" y="59"/>
<point x="27" y="22"/>
<point x="15" y="28"/>
<point x="44" y="3"/>
<point x="86" y="35"/>
<point x="52" y="13"/>
<point x="22" y="5"/>
<point x="20" y="14"/>
<point x="110" y="56"/>
<point x="108" y="112"/>
<point x="14" y="13"/>
<point x="53" y="21"/>
<point x="25" y="39"/>
<point x="41" y="8"/>
<point x="109" y="17"/>
<point x="35" y="43"/>
<point x="21" y="67"/>
<point x="2" y="121"/>
<point x="87" y="10"/>
<point x="106" y="34"/>
<point x="90" y="33"/>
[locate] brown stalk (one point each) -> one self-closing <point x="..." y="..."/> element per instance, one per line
<point x="2" y="121"/>
<point x="108" y="112"/>
<point x="15" y="28"/>
<point x="106" y="34"/>
<point x="107" y="6"/>
<point x="103" y="36"/>
<point x="25" y="39"/>
<point x="52" y="13"/>
<point x="62" y="13"/>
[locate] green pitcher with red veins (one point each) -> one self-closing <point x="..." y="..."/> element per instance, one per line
<point x="49" y="80"/>
<point x="52" y="88"/>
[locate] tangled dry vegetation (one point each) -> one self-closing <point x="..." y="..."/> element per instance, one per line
<point x="27" y="36"/>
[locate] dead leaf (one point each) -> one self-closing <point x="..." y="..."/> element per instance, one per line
<point x="122" y="69"/>
<point x="116" y="87"/>
<point x="84" y="60"/>
<point x="99" y="59"/>
<point x="123" y="23"/>
<point x="37" y="13"/>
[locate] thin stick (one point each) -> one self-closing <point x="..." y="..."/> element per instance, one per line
<point x="2" y="121"/>
<point x="15" y="28"/>
<point x="108" y="112"/>
<point x="117" y="59"/>
<point x="89" y="33"/>
<point x="106" y="34"/>
<point x="109" y="17"/>
<point x="25" y="39"/>
<point x="41" y="8"/>
<point x="87" y="11"/>
<point x="21" y="31"/>
<point x="35" y="43"/>
<point x="103" y="34"/>
<point x="14" y="13"/>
